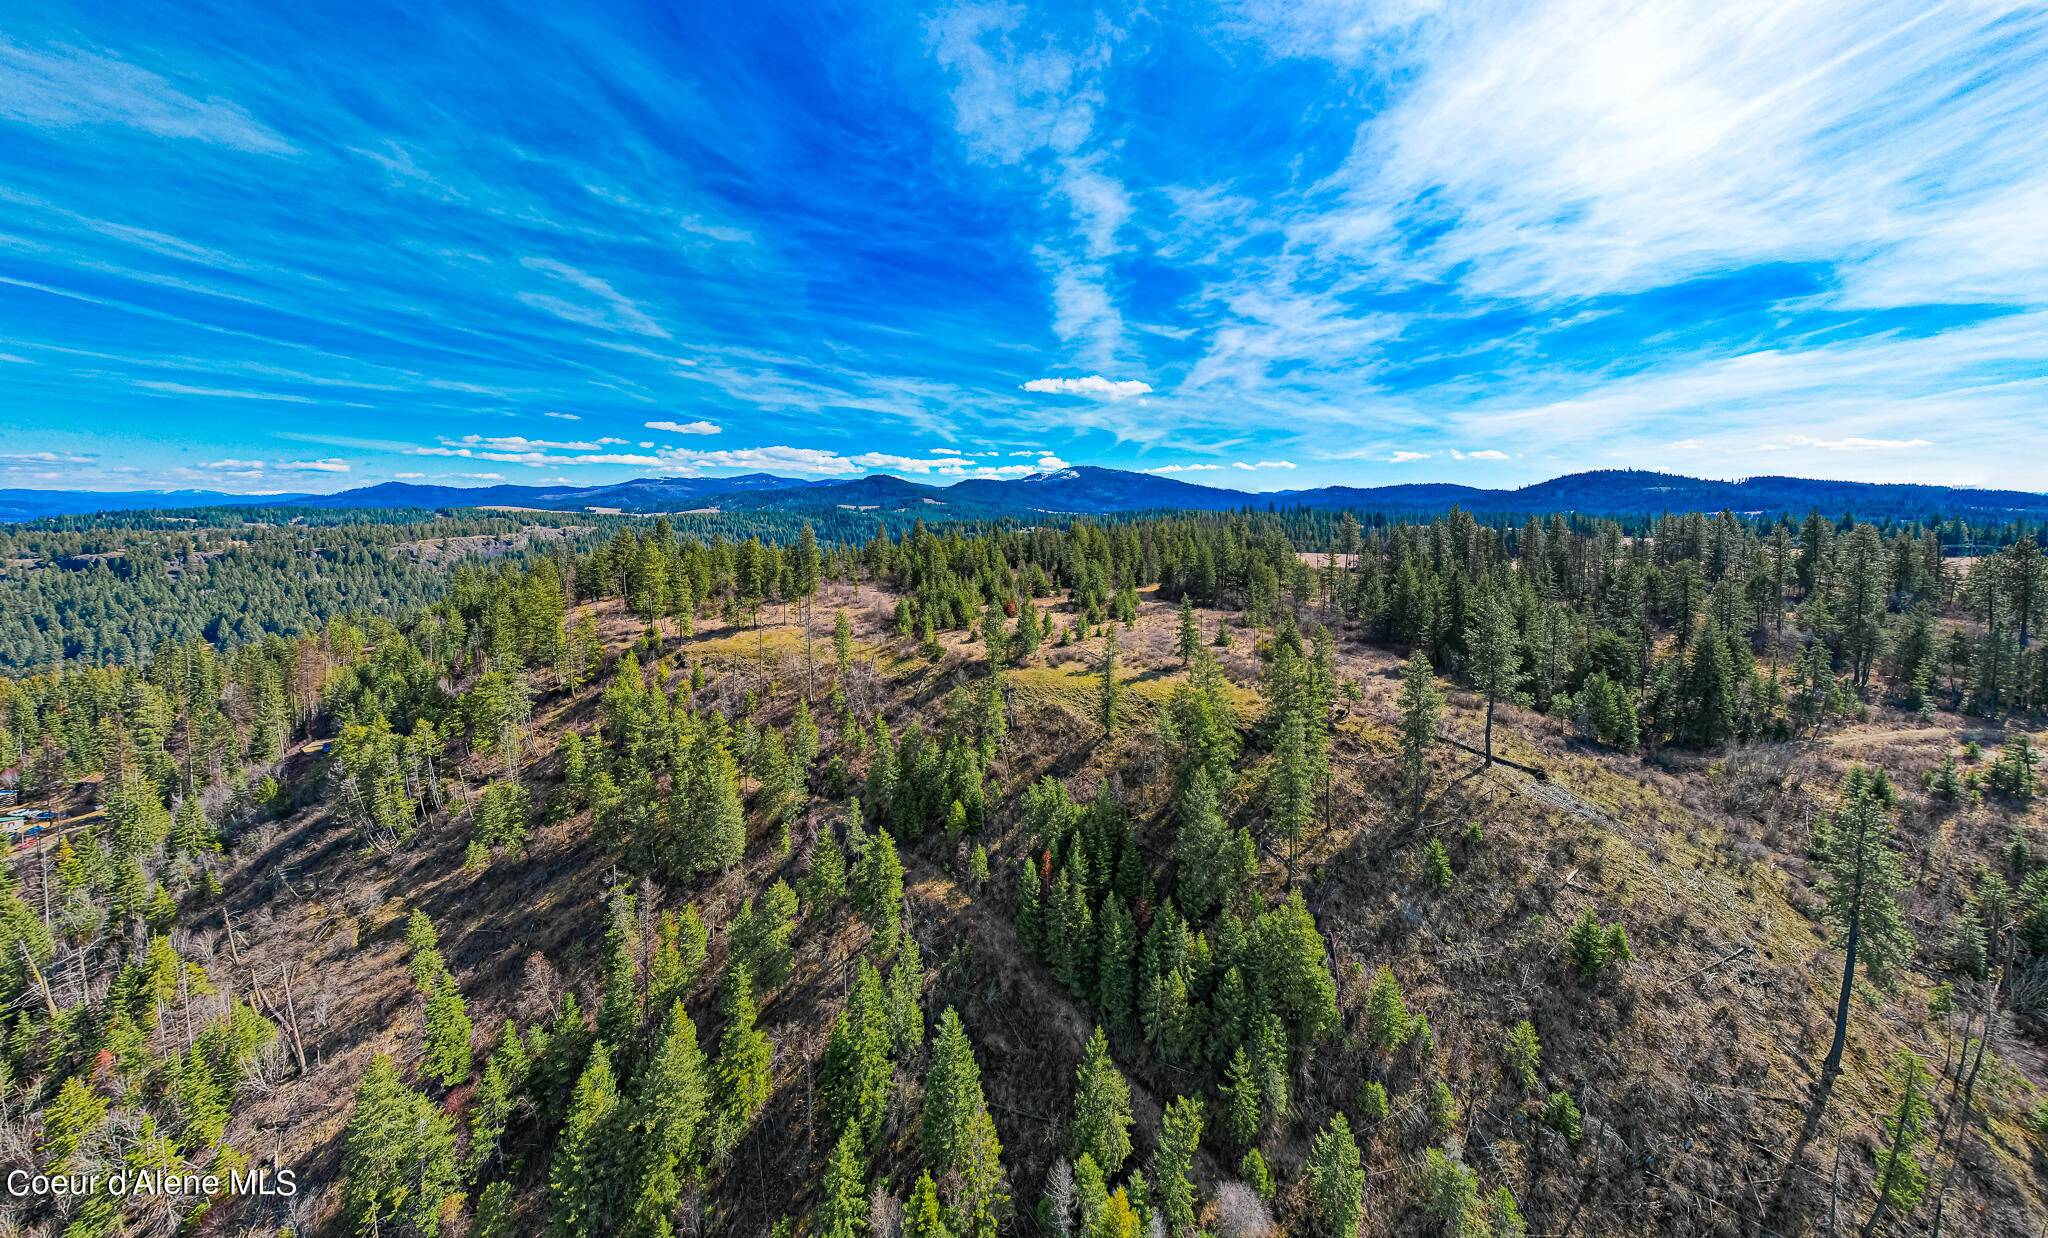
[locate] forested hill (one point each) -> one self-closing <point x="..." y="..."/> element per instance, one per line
<point x="1099" y="491"/>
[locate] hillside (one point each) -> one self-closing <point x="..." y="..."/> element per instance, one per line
<point x="1302" y="923"/>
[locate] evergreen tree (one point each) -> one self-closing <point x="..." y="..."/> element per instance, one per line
<point x="922" y="1217"/>
<point x="741" y="1079"/>
<point x="618" y="1011"/>
<point x="1030" y="914"/>
<point x="710" y="820"/>
<point x="1450" y="1194"/>
<point x="668" y="1119"/>
<point x="584" y="1179"/>
<point x="1189" y="642"/>
<point x="1241" y="1101"/>
<point x="761" y="936"/>
<point x="497" y="1095"/>
<point x="1708" y="692"/>
<point x="398" y="1155"/>
<point x="74" y="1117"/>
<point x="952" y="1094"/>
<point x="1436" y="866"/>
<point x="1860" y="883"/>
<point x="1496" y="657"/>
<point x="1291" y="787"/>
<point x="1101" y="1125"/>
<point x="1203" y="845"/>
<point x="878" y="887"/>
<point x="855" y="1073"/>
<point x="1523" y="1054"/>
<point x="1387" y="1021"/>
<point x="1419" y="702"/>
<point x="1179" y="1137"/>
<point x="906" y="997"/>
<point x="844" y="1210"/>
<point x="1336" y="1180"/>
<point x="448" y="1034"/>
<point x="1115" y="981"/>
<point x="1108" y="693"/>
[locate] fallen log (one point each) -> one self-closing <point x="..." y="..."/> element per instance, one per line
<point x="1534" y="771"/>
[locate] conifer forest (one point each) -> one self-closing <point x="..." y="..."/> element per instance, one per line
<point x="1220" y="874"/>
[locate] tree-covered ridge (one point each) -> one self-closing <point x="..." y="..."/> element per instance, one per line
<point x="101" y="590"/>
<point x="709" y="871"/>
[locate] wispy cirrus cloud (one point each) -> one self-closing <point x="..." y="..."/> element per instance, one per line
<point x="64" y="87"/>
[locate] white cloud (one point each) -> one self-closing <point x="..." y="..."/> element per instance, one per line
<point x="63" y="87"/>
<point x="684" y="427"/>
<point x="238" y="466"/>
<point x="613" y="311"/>
<point x="1487" y="454"/>
<point x="1094" y="386"/>
<point x="314" y="466"/>
<point x="997" y="472"/>
<point x="1052" y="464"/>
<point x="220" y="393"/>
<point x="46" y="457"/>
<point x="408" y="476"/>
<point x="1906" y="142"/>
<point x="564" y="416"/>
<point x="1028" y="103"/>
<point x="1407" y="457"/>
<point x="1856" y="443"/>
<point x="482" y="476"/>
<point x="1186" y="468"/>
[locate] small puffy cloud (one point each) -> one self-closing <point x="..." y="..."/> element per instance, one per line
<point x="516" y="442"/>
<point x="482" y="476"/>
<point x="234" y="466"/>
<point x="564" y="416"/>
<point x="1052" y="463"/>
<point x="314" y="466"/>
<point x="683" y="427"/>
<point x="408" y="476"/>
<point x="1407" y="457"/>
<point x="1487" y="454"/>
<point x="1261" y="464"/>
<point x="1688" y="444"/>
<point x="1094" y="386"/>
<point x="947" y="451"/>
<point x="1186" y="468"/>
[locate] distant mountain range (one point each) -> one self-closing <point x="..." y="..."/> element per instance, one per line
<point x="1099" y="491"/>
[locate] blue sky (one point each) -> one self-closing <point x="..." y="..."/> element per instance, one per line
<point x="1270" y="245"/>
